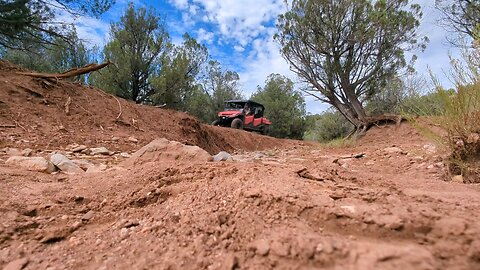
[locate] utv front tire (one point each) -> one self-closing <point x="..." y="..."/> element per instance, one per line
<point x="216" y="123"/>
<point x="237" y="123"/>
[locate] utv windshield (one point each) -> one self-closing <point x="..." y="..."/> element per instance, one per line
<point x="234" y="106"/>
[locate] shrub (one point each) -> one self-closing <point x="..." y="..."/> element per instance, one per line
<point x="327" y="126"/>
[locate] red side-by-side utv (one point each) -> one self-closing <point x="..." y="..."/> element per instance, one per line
<point x="243" y="114"/>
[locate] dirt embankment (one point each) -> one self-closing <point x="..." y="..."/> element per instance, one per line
<point x="381" y="204"/>
<point x="56" y="114"/>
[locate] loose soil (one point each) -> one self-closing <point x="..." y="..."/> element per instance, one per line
<point x="280" y="204"/>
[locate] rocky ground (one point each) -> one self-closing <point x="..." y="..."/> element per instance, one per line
<point x="106" y="195"/>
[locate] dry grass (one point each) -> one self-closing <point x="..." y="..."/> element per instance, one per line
<point x="461" y="117"/>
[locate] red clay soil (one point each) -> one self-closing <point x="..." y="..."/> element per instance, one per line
<point x="294" y="207"/>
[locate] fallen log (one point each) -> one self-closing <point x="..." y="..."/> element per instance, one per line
<point x="69" y="73"/>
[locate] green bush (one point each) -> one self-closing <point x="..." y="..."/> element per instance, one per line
<point x="327" y="126"/>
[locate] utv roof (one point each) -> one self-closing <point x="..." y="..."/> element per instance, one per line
<point x="243" y="101"/>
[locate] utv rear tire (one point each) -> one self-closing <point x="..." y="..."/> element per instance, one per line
<point x="216" y="123"/>
<point x="264" y="130"/>
<point x="237" y="123"/>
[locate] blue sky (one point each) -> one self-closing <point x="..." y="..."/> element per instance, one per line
<point x="239" y="34"/>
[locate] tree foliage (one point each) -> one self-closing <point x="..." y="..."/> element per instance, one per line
<point x="461" y="17"/>
<point x="138" y="44"/>
<point x="285" y="107"/>
<point x="176" y="82"/>
<point x="346" y="50"/>
<point x="220" y="85"/>
<point x="25" y="24"/>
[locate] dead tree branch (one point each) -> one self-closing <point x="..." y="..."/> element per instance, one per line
<point x="69" y="73"/>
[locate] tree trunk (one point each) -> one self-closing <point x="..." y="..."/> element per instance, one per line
<point x="355" y="114"/>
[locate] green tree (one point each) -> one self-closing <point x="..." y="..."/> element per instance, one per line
<point x="220" y="85"/>
<point x="462" y="17"/>
<point x="199" y="105"/>
<point x="285" y="107"/>
<point x="176" y="83"/>
<point x="24" y="24"/>
<point x="138" y="44"/>
<point x="346" y="50"/>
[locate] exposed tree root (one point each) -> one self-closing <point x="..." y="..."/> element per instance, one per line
<point x="371" y="121"/>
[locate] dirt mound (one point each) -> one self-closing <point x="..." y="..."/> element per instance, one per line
<point x="161" y="150"/>
<point x="41" y="114"/>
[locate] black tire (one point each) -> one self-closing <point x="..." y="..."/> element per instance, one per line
<point x="237" y="123"/>
<point x="216" y="123"/>
<point x="264" y="130"/>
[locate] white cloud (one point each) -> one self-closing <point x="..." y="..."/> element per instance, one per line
<point x="238" y="48"/>
<point x="181" y="4"/>
<point x="93" y="31"/>
<point x="237" y="20"/>
<point x="187" y="20"/>
<point x="263" y="60"/>
<point x="205" y="36"/>
<point x="193" y="9"/>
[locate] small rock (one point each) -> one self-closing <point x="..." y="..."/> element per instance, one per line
<point x="393" y="150"/>
<point x="65" y="164"/>
<point x="38" y="164"/>
<point x="97" y="169"/>
<point x="76" y="225"/>
<point x="16" y="265"/>
<point x="457" y="179"/>
<point x="115" y="139"/>
<point x="27" y="152"/>
<point x="132" y="139"/>
<point x="438" y="164"/>
<point x="79" y="148"/>
<point x="319" y="248"/>
<point x="124" y="233"/>
<point x="222" y="156"/>
<point x="349" y="208"/>
<point x="261" y="247"/>
<point x="100" y="151"/>
<point x="125" y="155"/>
<point x="88" y="215"/>
<point x="13" y="152"/>
<point x="430" y="148"/>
